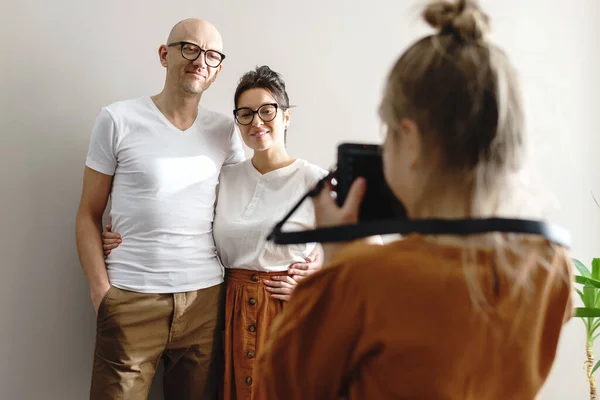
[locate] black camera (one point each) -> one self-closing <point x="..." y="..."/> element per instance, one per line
<point x="356" y="160"/>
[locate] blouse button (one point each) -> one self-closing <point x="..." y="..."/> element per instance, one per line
<point x="254" y="278"/>
<point x="248" y="380"/>
<point x="252" y="328"/>
<point x="252" y="301"/>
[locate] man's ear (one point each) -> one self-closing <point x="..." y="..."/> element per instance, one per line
<point x="162" y="55"/>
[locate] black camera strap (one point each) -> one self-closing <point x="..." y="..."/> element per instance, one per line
<point x="460" y="227"/>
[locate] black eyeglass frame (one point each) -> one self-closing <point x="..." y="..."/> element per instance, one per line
<point x="255" y="112"/>
<point x="199" y="53"/>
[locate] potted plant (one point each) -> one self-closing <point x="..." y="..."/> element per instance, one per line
<point x="590" y="314"/>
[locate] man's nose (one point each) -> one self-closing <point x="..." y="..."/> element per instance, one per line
<point x="200" y="61"/>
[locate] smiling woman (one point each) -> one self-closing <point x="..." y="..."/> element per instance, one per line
<point x="256" y="118"/>
<point x="261" y="92"/>
<point x="253" y="196"/>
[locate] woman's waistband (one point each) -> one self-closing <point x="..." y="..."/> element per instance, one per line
<point x="249" y="276"/>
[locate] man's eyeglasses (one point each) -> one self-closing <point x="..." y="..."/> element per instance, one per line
<point x="191" y="52"/>
<point x="245" y="115"/>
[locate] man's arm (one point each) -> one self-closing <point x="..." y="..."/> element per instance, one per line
<point x="94" y="197"/>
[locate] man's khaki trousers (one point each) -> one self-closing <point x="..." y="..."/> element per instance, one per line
<point x="135" y="330"/>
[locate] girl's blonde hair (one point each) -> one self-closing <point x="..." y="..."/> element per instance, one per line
<point x="463" y="94"/>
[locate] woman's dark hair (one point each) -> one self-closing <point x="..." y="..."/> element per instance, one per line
<point x="264" y="77"/>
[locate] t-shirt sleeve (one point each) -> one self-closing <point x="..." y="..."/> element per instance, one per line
<point x="101" y="155"/>
<point x="236" y="152"/>
<point x="310" y="349"/>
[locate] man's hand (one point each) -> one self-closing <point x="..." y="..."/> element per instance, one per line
<point x="94" y="197"/>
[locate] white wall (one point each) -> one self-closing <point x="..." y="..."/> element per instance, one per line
<point x="63" y="60"/>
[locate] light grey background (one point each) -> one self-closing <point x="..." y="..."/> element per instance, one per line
<point x="62" y="60"/>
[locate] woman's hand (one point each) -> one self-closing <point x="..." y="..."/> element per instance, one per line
<point x="299" y="271"/>
<point x="281" y="287"/>
<point x="110" y="240"/>
<point x="328" y="213"/>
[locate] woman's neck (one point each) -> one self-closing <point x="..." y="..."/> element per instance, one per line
<point x="445" y="207"/>
<point x="271" y="160"/>
<point x="456" y="197"/>
<point x="454" y="204"/>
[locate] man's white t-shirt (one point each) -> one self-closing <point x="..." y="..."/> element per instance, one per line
<point x="163" y="195"/>
<point x="249" y="206"/>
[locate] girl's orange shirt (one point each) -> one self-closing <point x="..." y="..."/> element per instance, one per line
<point x="398" y="322"/>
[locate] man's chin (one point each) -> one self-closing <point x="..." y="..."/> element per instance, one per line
<point x="193" y="89"/>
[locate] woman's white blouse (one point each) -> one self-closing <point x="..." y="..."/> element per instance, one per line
<point x="249" y="204"/>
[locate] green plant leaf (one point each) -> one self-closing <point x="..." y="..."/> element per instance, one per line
<point x="594" y="337"/>
<point x="580" y="293"/>
<point x="596" y="268"/>
<point x="589" y="295"/>
<point x="587" y="326"/>
<point x="596" y="366"/>
<point x="584" y="312"/>
<point x="594" y="324"/>
<point x="583" y="270"/>
<point x="583" y="280"/>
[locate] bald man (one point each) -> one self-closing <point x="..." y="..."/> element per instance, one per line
<point x="160" y="293"/>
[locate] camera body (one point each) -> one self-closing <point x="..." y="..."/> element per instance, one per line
<point x="356" y="160"/>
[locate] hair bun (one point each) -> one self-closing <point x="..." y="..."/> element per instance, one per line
<point x="462" y="18"/>
<point x="264" y="70"/>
